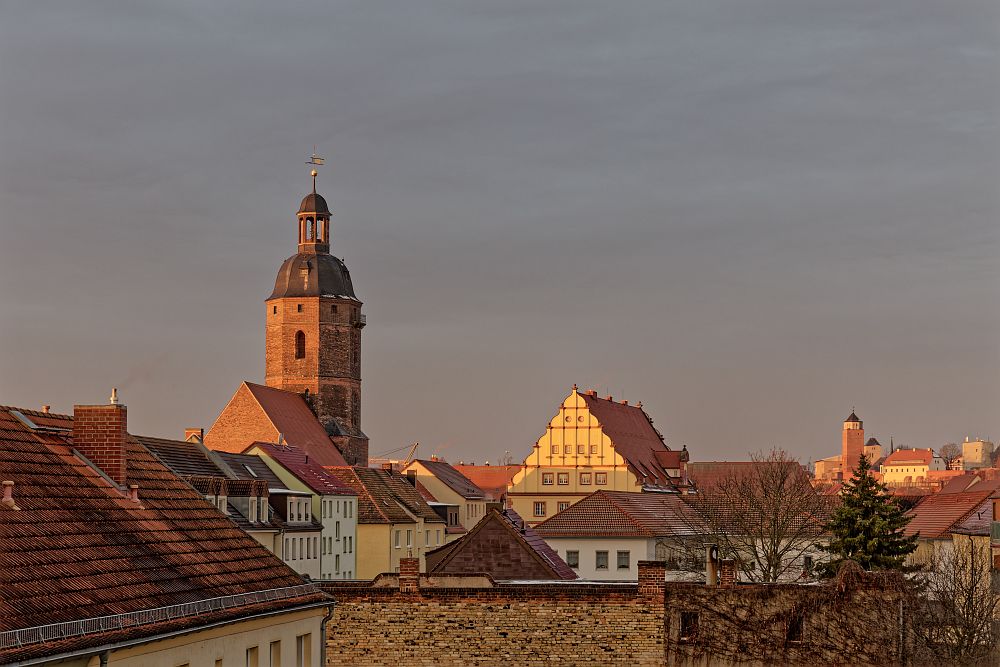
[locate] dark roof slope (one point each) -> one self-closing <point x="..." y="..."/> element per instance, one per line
<point x="384" y="496"/>
<point x="503" y="546"/>
<point x="634" y="437"/>
<point x="453" y="479"/>
<point x="622" y="514"/>
<point x="182" y="457"/>
<point x="250" y="466"/>
<point x="78" y="548"/>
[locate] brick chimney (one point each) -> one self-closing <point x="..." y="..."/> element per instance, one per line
<point x="727" y="572"/>
<point x="652" y="579"/>
<point x="99" y="434"/>
<point x="409" y="575"/>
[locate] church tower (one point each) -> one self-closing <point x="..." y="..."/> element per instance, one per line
<point x="313" y="332"/>
<point x="852" y="444"/>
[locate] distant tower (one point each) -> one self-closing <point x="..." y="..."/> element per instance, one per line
<point x="314" y="324"/>
<point x="852" y="444"/>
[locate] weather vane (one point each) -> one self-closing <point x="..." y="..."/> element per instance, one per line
<point x="316" y="161"/>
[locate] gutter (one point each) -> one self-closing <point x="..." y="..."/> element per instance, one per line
<point x="105" y="651"/>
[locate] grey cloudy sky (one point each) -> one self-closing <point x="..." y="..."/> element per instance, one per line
<point x="751" y="215"/>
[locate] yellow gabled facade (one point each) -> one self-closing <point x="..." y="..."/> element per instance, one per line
<point x="574" y="458"/>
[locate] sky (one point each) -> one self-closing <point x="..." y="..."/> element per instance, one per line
<point x="751" y="215"/>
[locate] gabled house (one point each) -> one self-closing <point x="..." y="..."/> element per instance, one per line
<point x="393" y="520"/>
<point x="257" y="413"/>
<point x="449" y="492"/>
<point x="605" y="535"/>
<point x="938" y="516"/>
<point x="591" y="444"/>
<point x="493" y="480"/>
<point x="110" y="558"/>
<point x="503" y="546"/>
<point x="334" y="503"/>
<point x="911" y="467"/>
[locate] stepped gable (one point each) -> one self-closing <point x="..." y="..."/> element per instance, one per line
<point x="73" y="546"/>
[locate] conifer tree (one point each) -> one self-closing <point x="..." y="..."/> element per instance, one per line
<point x="868" y="526"/>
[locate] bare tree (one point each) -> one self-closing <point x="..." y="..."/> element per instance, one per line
<point x="766" y="515"/>
<point x="957" y="618"/>
<point x="949" y="453"/>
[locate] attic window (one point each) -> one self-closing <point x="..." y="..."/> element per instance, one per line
<point x="250" y="470"/>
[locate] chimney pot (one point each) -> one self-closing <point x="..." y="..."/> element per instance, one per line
<point x="624" y="402"/>
<point x="133" y="492"/>
<point x="114" y="396"/>
<point x="8" y="495"/>
<point x="611" y="398"/>
<point x="46" y="408"/>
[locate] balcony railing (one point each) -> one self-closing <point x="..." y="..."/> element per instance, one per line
<point x="135" y="619"/>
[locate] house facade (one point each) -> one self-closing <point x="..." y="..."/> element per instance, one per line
<point x="593" y="444"/>
<point x="449" y="488"/>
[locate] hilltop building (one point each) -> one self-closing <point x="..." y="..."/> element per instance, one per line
<point x="976" y="454"/>
<point x="312" y="357"/>
<point x="591" y="444"/>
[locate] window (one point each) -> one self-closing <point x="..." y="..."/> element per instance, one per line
<point x="580" y="449"/>
<point x="624" y="560"/>
<point x="298" y="308"/>
<point x="601" y="560"/>
<point x="396" y="540"/>
<point x="300" y="345"/>
<point x="274" y="310"/>
<point x="547" y="478"/>
<point x="336" y="562"/>
<point x="287" y="548"/>
<point x="585" y="478"/>
<point x="294" y="549"/>
<point x="563" y="478"/>
<point x="303" y="651"/>
<point x="540" y="509"/>
<point x="336" y="530"/>
<point x="276" y="654"/>
<point x="573" y="559"/>
<point x="689" y="626"/>
<point x="350" y="544"/>
<point x="567" y="449"/>
<point x="252" y="657"/>
<point x="593" y="449"/>
<point x="807" y="564"/>
<point x="793" y="631"/>
<point x="427" y="538"/>
<point x="409" y="538"/>
<point x="333" y="308"/>
<point x="601" y="478"/>
<point x="253" y="510"/>
<point x="309" y="548"/>
<point x="439" y="537"/>
<point x="555" y="449"/>
<point x="562" y="506"/>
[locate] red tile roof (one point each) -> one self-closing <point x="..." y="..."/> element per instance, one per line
<point x="493" y="480"/>
<point x="78" y="548"/>
<point x="297" y="423"/>
<point x="622" y="514"/>
<point x="453" y="479"/>
<point x="634" y="437"/>
<point x="936" y="515"/>
<point x="709" y="474"/>
<point x="503" y="546"/>
<point x="306" y="470"/>
<point x="384" y="496"/>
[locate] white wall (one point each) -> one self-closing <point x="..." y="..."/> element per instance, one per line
<point x="638" y="548"/>
<point x="339" y="515"/>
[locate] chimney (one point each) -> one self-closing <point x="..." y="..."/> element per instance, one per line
<point x="592" y="392"/>
<point x="194" y="435"/>
<point x="8" y="495"/>
<point x="610" y="398"/>
<point x="133" y="492"/>
<point x="624" y="402"/>
<point x="99" y="434"/>
<point x="727" y="572"/>
<point x="46" y="408"/>
<point x="409" y="575"/>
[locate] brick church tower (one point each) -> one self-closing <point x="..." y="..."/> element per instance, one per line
<point x="314" y="324"/>
<point x="852" y="445"/>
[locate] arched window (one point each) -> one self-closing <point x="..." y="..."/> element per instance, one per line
<point x="300" y="345"/>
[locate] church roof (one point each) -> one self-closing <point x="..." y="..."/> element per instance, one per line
<point x="313" y="203"/>
<point x="290" y="415"/>
<point x="852" y="418"/>
<point x="313" y="274"/>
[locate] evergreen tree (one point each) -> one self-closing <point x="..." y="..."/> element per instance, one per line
<point x="868" y="526"/>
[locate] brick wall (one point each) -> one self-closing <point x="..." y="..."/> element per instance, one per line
<point x="409" y="620"/>
<point x="241" y="423"/>
<point x="99" y="433"/>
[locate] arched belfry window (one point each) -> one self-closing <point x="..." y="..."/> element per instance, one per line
<point x="300" y="345"/>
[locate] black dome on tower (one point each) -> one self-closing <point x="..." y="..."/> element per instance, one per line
<point x="308" y="274"/>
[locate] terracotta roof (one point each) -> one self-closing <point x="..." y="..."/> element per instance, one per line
<point x="708" y="474"/>
<point x="936" y="515"/>
<point x="497" y="546"/>
<point x="310" y="473"/>
<point x="911" y="456"/>
<point x="453" y="479"/>
<point x="633" y="436"/>
<point x="297" y="423"/>
<point x="384" y="496"/>
<point x="78" y="548"/>
<point x="622" y="514"/>
<point x="493" y="480"/>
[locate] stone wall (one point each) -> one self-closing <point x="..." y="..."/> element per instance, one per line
<point x="412" y="619"/>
